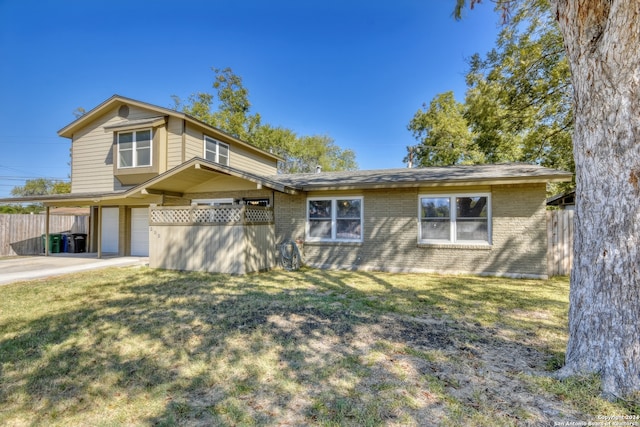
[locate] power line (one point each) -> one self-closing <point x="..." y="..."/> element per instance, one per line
<point x="27" y="178"/>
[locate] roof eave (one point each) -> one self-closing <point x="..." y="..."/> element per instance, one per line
<point x="200" y="163"/>
<point x="68" y="199"/>
<point x="440" y="183"/>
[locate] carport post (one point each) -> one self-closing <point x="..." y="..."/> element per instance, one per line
<point x="47" y="210"/>
<point x="99" y="230"/>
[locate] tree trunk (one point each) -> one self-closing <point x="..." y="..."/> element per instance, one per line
<point x="602" y="39"/>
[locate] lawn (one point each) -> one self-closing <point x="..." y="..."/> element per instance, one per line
<point x="136" y="346"/>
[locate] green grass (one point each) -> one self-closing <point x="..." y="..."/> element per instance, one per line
<point x="148" y="347"/>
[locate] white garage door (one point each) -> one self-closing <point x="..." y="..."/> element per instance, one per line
<point x="140" y="231"/>
<point x="110" y="230"/>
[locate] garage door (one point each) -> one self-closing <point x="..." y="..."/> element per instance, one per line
<point x="110" y="230"/>
<point x="140" y="231"/>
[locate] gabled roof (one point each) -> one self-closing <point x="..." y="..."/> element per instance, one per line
<point x="511" y="173"/>
<point x="116" y="100"/>
<point x="198" y="170"/>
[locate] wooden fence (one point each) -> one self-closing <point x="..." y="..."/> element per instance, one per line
<point x="22" y="234"/>
<point x="217" y="239"/>
<point x="560" y="242"/>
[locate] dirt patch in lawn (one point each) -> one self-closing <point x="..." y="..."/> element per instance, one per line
<point x="480" y="368"/>
<point x="427" y="371"/>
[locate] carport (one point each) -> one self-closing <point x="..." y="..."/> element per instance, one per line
<point x="117" y="208"/>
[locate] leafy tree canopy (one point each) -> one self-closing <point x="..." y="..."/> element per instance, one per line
<point x="19" y="209"/>
<point x="444" y="134"/>
<point x="229" y="109"/>
<point x="35" y="187"/>
<point x="40" y="187"/>
<point x="518" y="103"/>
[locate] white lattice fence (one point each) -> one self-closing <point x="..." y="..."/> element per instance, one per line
<point x="169" y="215"/>
<point x="255" y="215"/>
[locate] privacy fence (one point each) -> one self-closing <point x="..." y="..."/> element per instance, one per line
<point x="22" y="234"/>
<point x="560" y="242"/>
<point x="223" y="239"/>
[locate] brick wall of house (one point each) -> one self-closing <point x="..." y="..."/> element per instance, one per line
<point x="391" y="234"/>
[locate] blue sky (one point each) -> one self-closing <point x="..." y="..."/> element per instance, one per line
<point x="355" y="70"/>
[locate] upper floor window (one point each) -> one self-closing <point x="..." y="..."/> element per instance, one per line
<point x="216" y="151"/>
<point x="460" y="218"/>
<point x="134" y="148"/>
<point x="334" y="219"/>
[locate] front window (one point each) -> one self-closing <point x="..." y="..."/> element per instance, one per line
<point x="216" y="151"/>
<point x="335" y="219"/>
<point x="462" y="219"/>
<point x="134" y="149"/>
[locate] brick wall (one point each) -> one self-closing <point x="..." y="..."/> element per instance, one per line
<point x="391" y="234"/>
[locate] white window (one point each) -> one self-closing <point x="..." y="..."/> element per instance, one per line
<point x="457" y="218"/>
<point x="216" y="151"/>
<point x="334" y="219"/>
<point x="134" y="148"/>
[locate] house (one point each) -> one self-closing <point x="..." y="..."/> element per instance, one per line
<point x="162" y="184"/>
<point x="566" y="201"/>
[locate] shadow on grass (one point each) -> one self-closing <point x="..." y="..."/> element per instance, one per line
<point x="309" y="347"/>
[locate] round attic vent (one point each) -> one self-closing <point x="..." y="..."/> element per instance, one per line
<point x="123" y="111"/>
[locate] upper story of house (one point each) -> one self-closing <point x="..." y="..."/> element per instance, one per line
<point x="123" y="142"/>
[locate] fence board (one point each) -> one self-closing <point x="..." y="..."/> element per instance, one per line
<point x="560" y="242"/>
<point x="22" y="234"/>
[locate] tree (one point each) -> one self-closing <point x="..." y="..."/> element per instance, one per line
<point x="318" y="150"/>
<point x="20" y="209"/>
<point x="229" y="110"/>
<point x="519" y="97"/>
<point x="601" y="39"/>
<point x="41" y="186"/>
<point x="35" y="187"/>
<point x="230" y="105"/>
<point x="517" y="105"/>
<point x="443" y="134"/>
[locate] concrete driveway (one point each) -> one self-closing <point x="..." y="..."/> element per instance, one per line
<point x="22" y="268"/>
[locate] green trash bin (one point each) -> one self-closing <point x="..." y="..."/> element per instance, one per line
<point x="55" y="241"/>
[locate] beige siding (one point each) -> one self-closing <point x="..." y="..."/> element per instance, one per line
<point x="239" y="157"/>
<point x="244" y="159"/>
<point x="92" y="157"/>
<point x="391" y="235"/>
<point x="174" y="142"/>
<point x="92" y="152"/>
<point x="194" y="141"/>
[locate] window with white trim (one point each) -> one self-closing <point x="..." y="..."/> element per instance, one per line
<point x="455" y="218"/>
<point x="216" y="151"/>
<point x="334" y="219"/>
<point x="134" y="148"/>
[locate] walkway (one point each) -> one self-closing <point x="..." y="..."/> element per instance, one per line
<point x="15" y="269"/>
